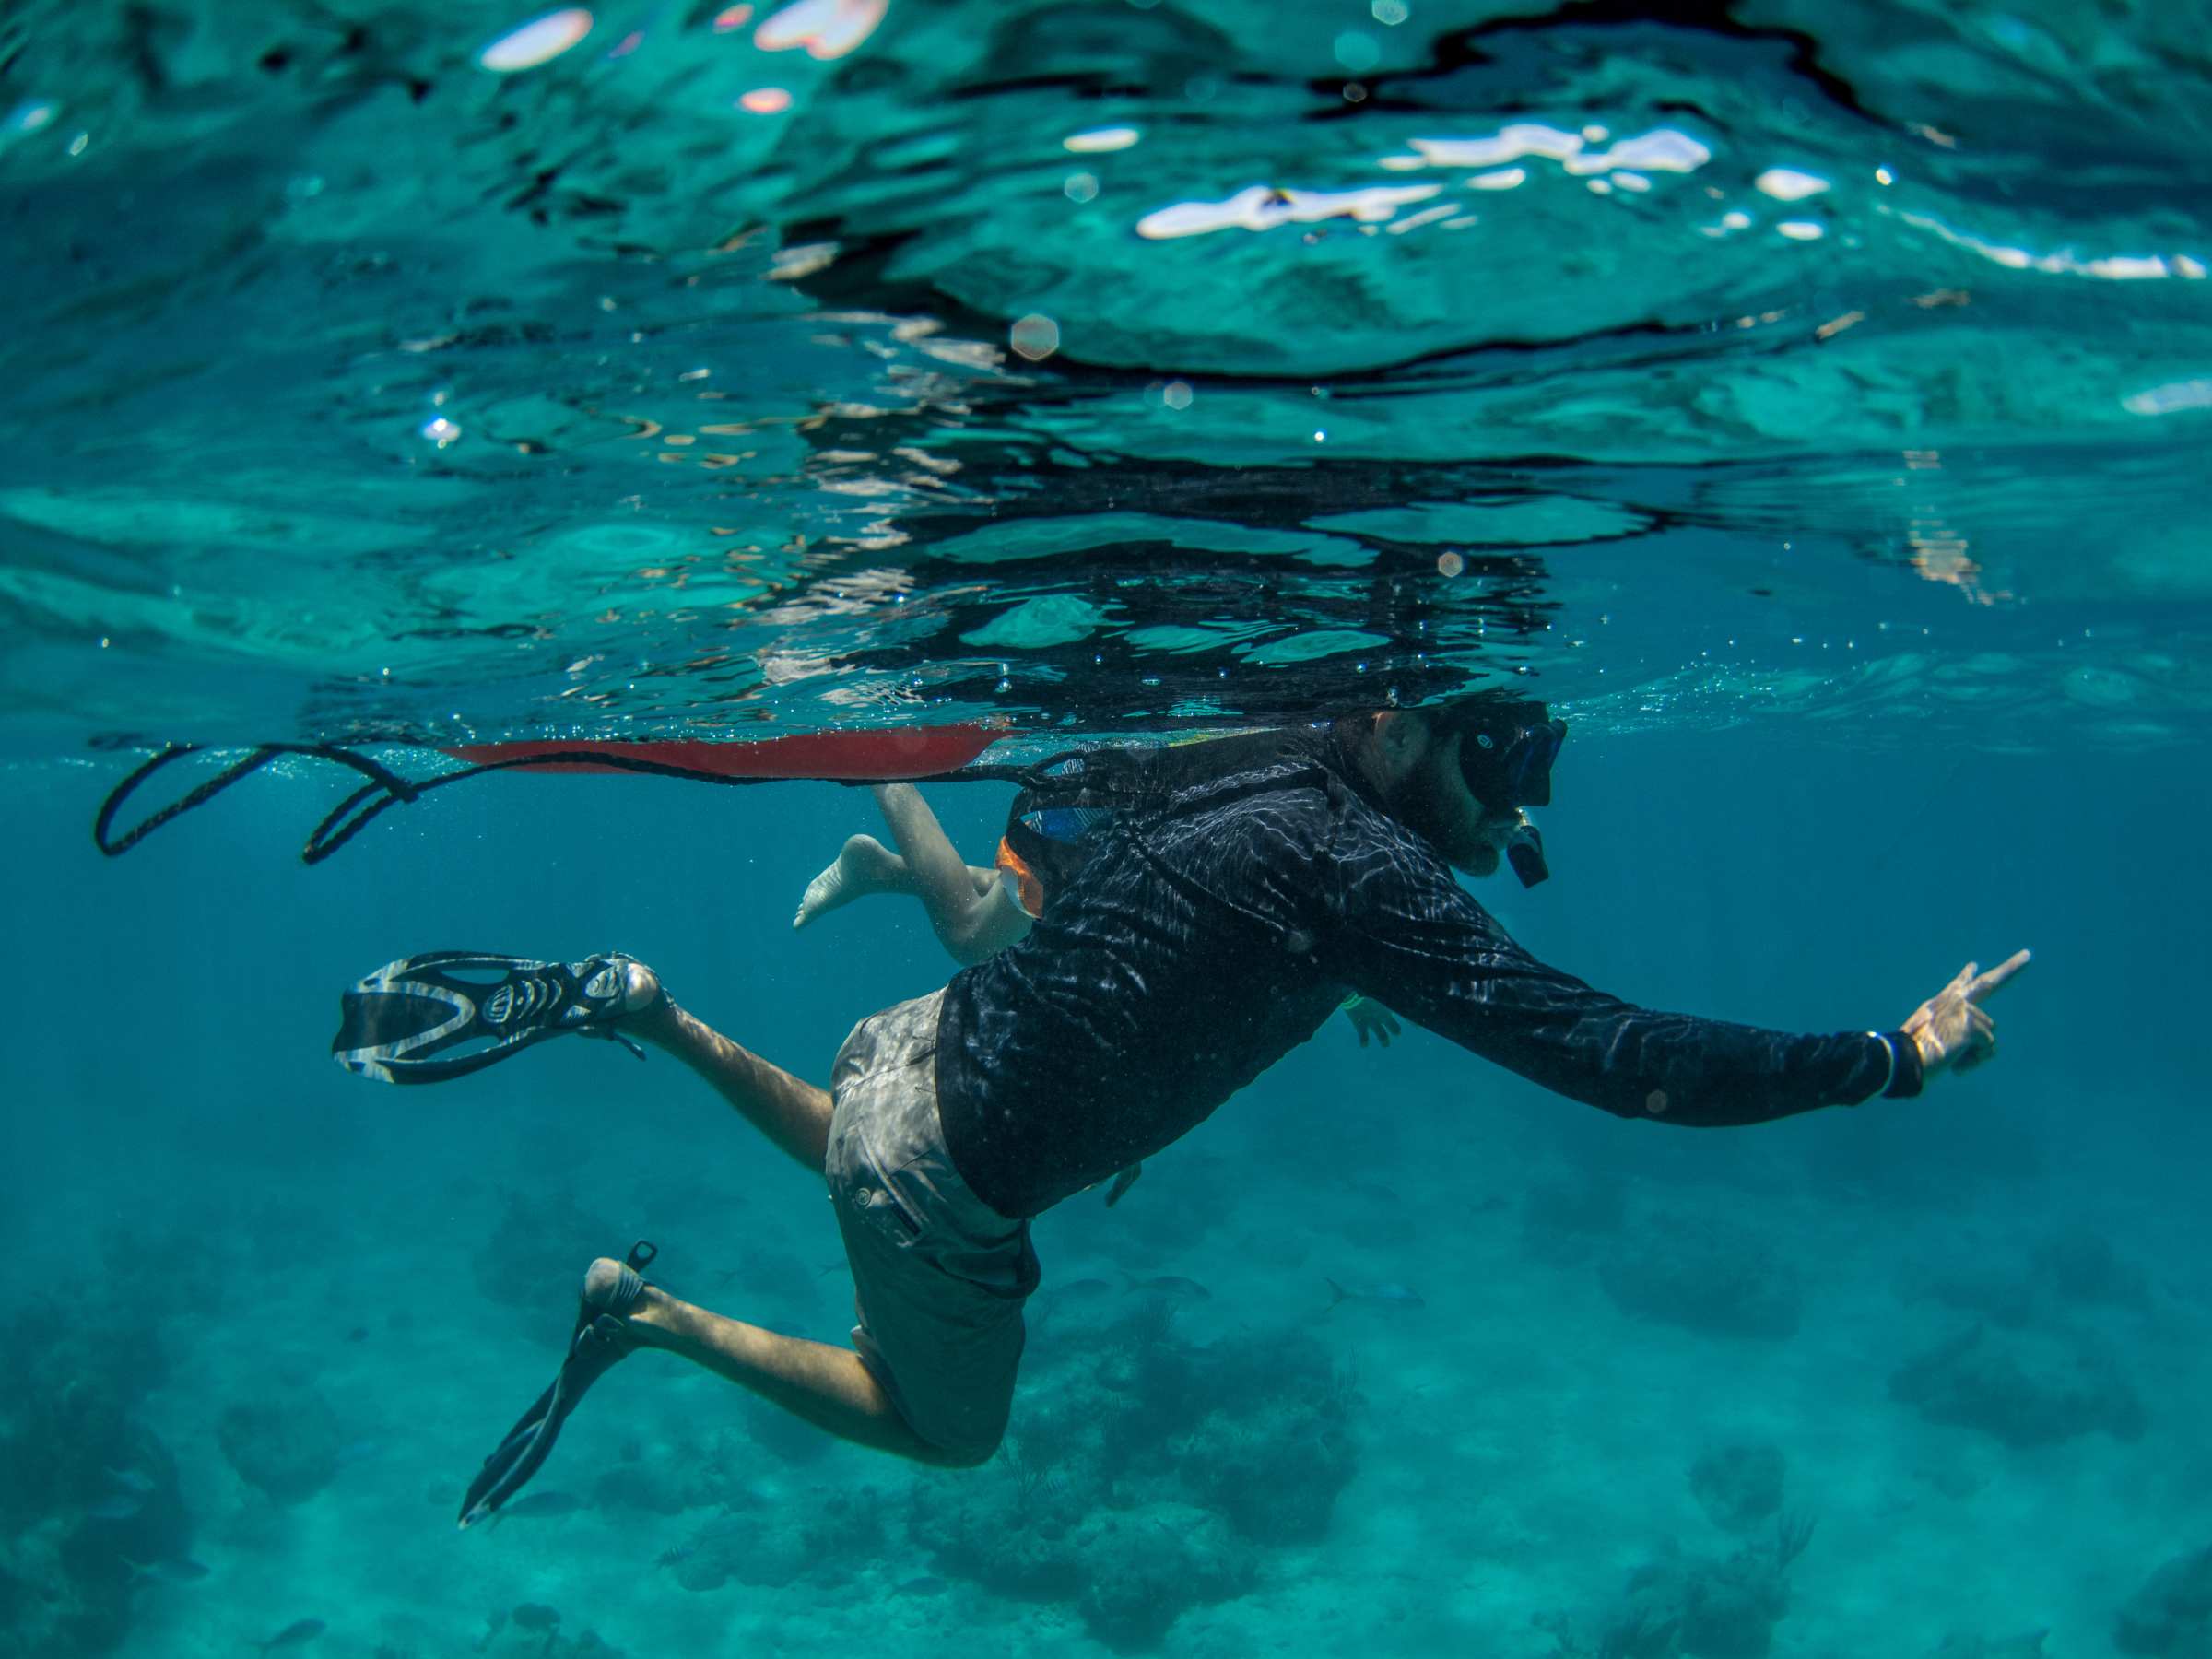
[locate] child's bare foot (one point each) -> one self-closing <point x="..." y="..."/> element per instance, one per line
<point x="864" y="866"/>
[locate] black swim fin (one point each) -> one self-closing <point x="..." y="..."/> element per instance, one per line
<point x="396" y="1024"/>
<point x="599" y="1339"/>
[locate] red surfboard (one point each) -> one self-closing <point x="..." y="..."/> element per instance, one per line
<point x="885" y="754"/>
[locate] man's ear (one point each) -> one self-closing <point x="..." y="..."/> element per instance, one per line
<point x="1400" y="737"/>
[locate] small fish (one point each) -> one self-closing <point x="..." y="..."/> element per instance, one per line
<point x="536" y="1616"/>
<point x="121" y="1507"/>
<point x="927" y="1584"/>
<point x="132" y="1480"/>
<point x="1171" y="1284"/>
<point x="295" y="1635"/>
<point x="541" y="1505"/>
<point x="677" y="1554"/>
<point x="1082" y="1290"/>
<point x="1388" y="1296"/>
<point x="172" y="1570"/>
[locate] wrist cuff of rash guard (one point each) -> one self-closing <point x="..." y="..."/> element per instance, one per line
<point x="1905" y="1076"/>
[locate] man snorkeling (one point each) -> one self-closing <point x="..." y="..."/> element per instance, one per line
<point x="1207" y="907"/>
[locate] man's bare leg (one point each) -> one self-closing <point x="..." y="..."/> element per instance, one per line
<point x="826" y="1386"/>
<point x="792" y="1112"/>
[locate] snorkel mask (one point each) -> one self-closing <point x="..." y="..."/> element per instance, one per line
<point x="1505" y="755"/>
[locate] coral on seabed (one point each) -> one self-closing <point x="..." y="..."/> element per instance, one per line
<point x="2079" y="1265"/>
<point x="86" y="1487"/>
<point x="2024" y="1388"/>
<point x="1697" y="1607"/>
<point x="1146" y="1474"/>
<point x="1153" y="1563"/>
<point x="1566" y="1221"/>
<point x="535" y="1255"/>
<point x="818" y="1540"/>
<point x="695" y="1469"/>
<point x="1720" y="1281"/>
<point x="285" y="1443"/>
<point x="532" y="1630"/>
<point x="2172" y="1614"/>
<point x="2071" y="1269"/>
<point x="1738" y="1485"/>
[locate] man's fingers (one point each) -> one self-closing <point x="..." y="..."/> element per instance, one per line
<point x="1979" y="1040"/>
<point x="1984" y="983"/>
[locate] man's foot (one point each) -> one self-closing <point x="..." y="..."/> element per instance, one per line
<point x="609" y="1288"/>
<point x="865" y="866"/>
<point x="612" y="1291"/>
<point x="648" y="1012"/>
<point x="640" y="985"/>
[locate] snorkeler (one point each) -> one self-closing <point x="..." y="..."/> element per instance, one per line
<point x="1221" y="901"/>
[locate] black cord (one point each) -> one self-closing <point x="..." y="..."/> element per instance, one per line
<point x="385" y="788"/>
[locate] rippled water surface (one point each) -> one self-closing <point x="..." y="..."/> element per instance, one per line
<point x="388" y="368"/>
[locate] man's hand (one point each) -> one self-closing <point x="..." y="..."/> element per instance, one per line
<point x="1369" y="1017"/>
<point x="1952" y="1028"/>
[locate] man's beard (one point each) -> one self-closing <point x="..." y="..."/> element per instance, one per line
<point x="1429" y="802"/>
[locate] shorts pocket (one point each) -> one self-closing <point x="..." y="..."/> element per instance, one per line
<point x="878" y="1202"/>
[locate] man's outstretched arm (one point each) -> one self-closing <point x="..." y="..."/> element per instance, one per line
<point x="1412" y="938"/>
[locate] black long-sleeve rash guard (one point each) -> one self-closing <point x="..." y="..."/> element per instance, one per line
<point x="1205" y="938"/>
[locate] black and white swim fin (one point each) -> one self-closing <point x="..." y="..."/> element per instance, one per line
<point x="401" y="1023"/>
<point x="599" y="1339"/>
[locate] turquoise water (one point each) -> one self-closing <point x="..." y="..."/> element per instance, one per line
<point x="1836" y="469"/>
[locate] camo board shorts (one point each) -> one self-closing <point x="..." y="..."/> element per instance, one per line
<point x="939" y="1277"/>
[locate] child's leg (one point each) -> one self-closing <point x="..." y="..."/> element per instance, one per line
<point x="969" y="908"/>
<point x="866" y="865"/>
<point x="973" y="915"/>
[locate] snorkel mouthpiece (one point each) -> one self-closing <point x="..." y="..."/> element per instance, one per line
<point x="1524" y="851"/>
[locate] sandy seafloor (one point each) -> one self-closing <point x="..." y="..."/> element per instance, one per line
<point x="185" y="1157"/>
